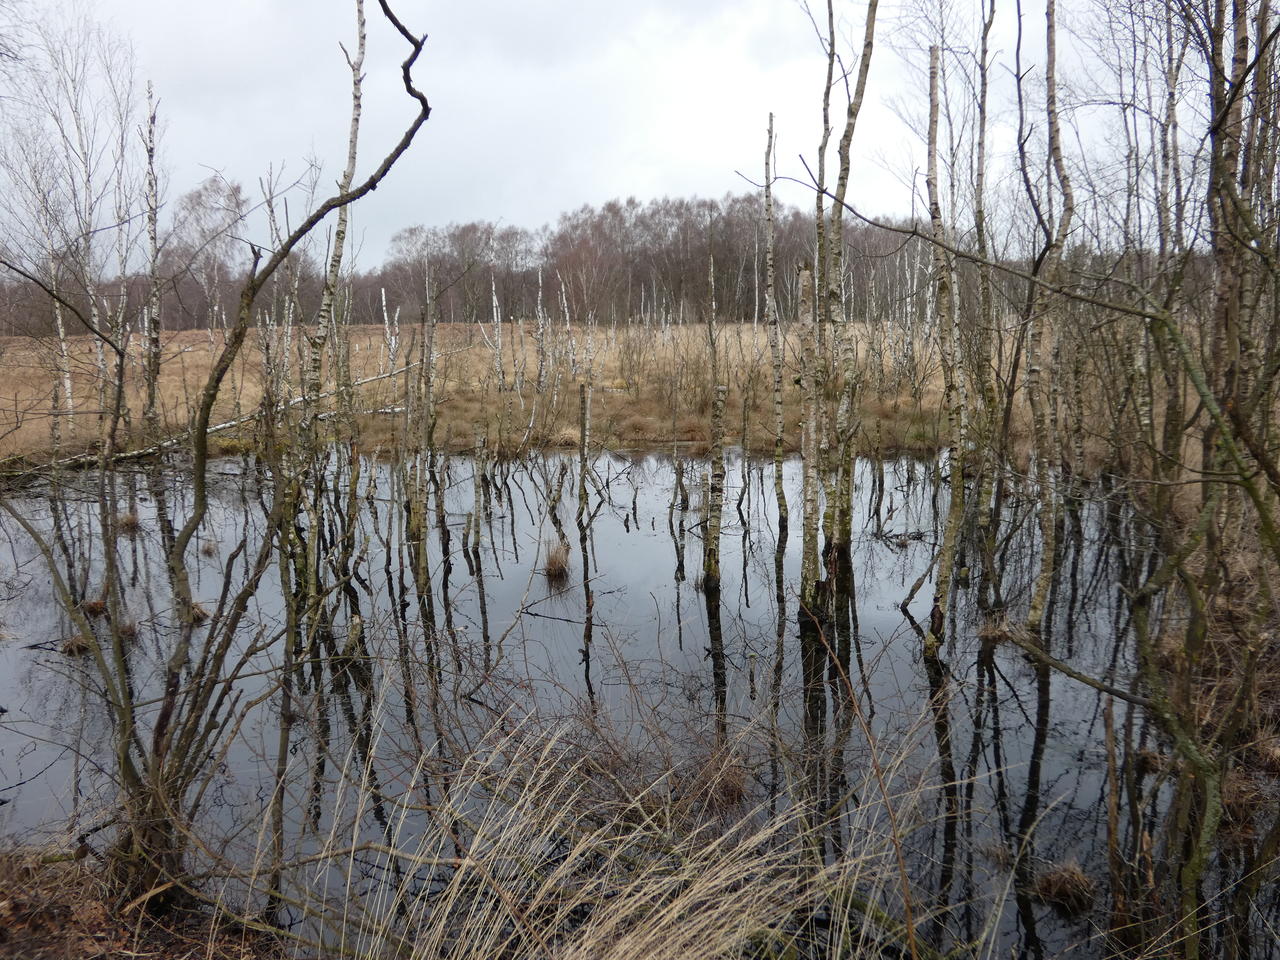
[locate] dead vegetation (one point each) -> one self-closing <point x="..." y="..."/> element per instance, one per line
<point x="574" y="834"/>
<point x="1064" y="886"/>
<point x="555" y="565"/>
<point x="78" y="645"/>
<point x="55" y="907"/>
<point x="654" y="398"/>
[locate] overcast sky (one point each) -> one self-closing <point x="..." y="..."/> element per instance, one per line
<point x="538" y="106"/>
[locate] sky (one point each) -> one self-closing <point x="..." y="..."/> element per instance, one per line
<point x="538" y="106"/>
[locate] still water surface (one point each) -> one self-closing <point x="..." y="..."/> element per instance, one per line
<point x="627" y="636"/>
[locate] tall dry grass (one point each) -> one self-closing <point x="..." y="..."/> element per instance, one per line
<point x="541" y="842"/>
<point x="651" y="388"/>
<point x="555" y="829"/>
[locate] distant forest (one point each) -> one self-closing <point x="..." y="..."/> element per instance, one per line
<point x="621" y="261"/>
<point x="666" y="261"/>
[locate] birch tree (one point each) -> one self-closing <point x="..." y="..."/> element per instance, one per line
<point x="70" y="184"/>
<point x="166" y="748"/>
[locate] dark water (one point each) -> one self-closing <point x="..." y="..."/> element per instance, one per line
<point x="1007" y="760"/>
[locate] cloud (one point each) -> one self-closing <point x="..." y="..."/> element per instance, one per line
<point x="538" y="107"/>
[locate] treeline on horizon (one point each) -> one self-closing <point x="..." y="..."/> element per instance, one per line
<point x="623" y="260"/>
<point x="665" y="260"/>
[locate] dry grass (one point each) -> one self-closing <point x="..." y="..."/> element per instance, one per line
<point x="1066" y="887"/>
<point x="562" y="838"/>
<point x="1245" y="794"/>
<point x="78" y="645"/>
<point x="54" y="907"/>
<point x="543" y="837"/>
<point x="651" y="389"/>
<point x="555" y="564"/>
<point x="26" y="397"/>
<point x="1265" y="751"/>
<point x="559" y="838"/>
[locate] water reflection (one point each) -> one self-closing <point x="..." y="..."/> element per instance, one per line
<point x="409" y="596"/>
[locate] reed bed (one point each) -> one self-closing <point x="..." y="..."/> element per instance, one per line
<point x="651" y="389"/>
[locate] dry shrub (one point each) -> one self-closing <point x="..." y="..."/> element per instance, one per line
<point x="652" y="384"/>
<point x="567" y="437"/>
<point x="378" y="434"/>
<point x="129" y="524"/>
<point x="1243" y="795"/>
<point x="55" y="905"/>
<point x="717" y="783"/>
<point x="555" y="566"/>
<point x="690" y="427"/>
<point x="1064" y="886"/>
<point x="637" y="428"/>
<point x="79" y="645"/>
<point x="1265" y="751"/>
<point x="1147" y="762"/>
<point x="597" y="854"/>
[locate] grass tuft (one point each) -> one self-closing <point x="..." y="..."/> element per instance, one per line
<point x="94" y="608"/>
<point x="555" y="566"/>
<point x="78" y="645"/>
<point x="1064" y="886"/>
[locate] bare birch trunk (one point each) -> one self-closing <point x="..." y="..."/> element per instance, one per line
<point x="499" y="372"/>
<point x="775" y="331"/>
<point x="540" y="339"/>
<point x="842" y="506"/>
<point x="427" y="359"/>
<point x="986" y="441"/>
<point x="64" y="409"/>
<point x="944" y="286"/>
<point x="327" y="322"/>
<point x="713" y="344"/>
<point x="150" y="414"/>
<point x="715" y="490"/>
<point x="1039" y="333"/>
<point x="809" y="453"/>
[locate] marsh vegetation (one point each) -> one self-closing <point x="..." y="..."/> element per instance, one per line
<point x="720" y="580"/>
